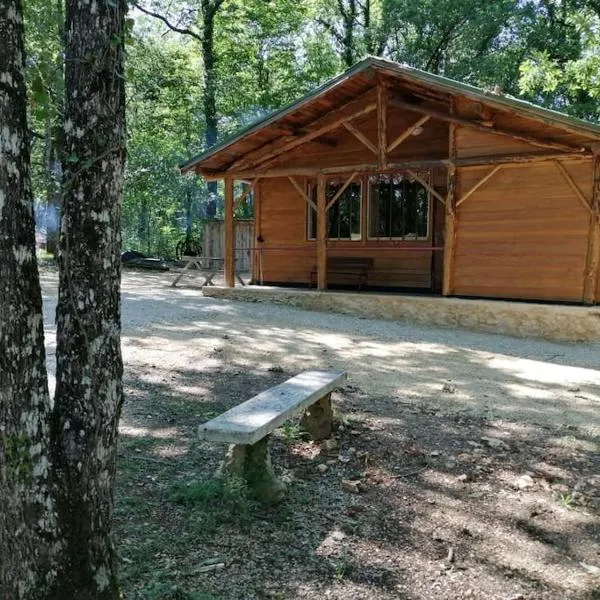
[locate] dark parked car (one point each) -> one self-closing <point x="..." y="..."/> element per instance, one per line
<point x="132" y="258"/>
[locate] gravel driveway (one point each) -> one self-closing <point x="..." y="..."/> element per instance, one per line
<point x="497" y="375"/>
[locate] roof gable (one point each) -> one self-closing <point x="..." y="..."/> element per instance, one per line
<point x="353" y="87"/>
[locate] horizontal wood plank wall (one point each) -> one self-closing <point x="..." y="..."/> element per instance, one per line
<point x="471" y="143"/>
<point x="288" y="257"/>
<point x="523" y="234"/>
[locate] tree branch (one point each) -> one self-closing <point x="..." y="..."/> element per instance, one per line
<point x="331" y="29"/>
<point x="182" y="30"/>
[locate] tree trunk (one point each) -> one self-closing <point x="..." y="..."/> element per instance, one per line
<point x="27" y="525"/>
<point x="210" y="91"/>
<point x="89" y="392"/>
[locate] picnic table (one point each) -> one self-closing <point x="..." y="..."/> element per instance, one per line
<point x="207" y="266"/>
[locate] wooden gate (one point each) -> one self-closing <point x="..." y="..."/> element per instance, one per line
<point x="213" y="242"/>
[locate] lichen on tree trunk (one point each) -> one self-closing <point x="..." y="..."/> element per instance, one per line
<point x="28" y="531"/>
<point x="89" y="392"/>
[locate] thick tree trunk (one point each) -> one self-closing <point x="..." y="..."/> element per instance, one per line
<point x="27" y="525"/>
<point x="89" y="392"/>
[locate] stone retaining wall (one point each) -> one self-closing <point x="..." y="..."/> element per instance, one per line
<point x="548" y="321"/>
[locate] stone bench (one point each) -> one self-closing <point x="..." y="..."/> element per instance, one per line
<point x="247" y="427"/>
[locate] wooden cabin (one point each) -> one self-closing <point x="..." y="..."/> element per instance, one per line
<point x="391" y="177"/>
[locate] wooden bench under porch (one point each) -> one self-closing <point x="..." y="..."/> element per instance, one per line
<point x="353" y="266"/>
<point x="247" y="427"/>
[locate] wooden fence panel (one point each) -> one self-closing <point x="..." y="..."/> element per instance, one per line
<point x="213" y="243"/>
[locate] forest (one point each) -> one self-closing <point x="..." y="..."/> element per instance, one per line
<point x="197" y="71"/>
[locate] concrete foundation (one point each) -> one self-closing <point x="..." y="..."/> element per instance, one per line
<point x="522" y="319"/>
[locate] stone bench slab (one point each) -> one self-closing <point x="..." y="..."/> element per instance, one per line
<point x="252" y="420"/>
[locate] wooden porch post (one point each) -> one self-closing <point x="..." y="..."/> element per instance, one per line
<point x="257" y="253"/>
<point x="450" y="230"/>
<point x="592" y="266"/>
<point x="229" y="234"/>
<point x="321" y="233"/>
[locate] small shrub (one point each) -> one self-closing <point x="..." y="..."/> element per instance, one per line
<point x="292" y="432"/>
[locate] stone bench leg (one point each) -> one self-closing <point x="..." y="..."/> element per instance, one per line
<point x="318" y="419"/>
<point x="253" y="464"/>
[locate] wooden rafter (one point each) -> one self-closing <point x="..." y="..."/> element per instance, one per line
<point x="342" y="190"/>
<point x="586" y="203"/>
<point x="362" y="105"/>
<point x="483" y="126"/>
<point x="359" y="135"/>
<point x="480" y="183"/>
<point x="427" y="186"/>
<point x="382" y="122"/>
<point x="516" y="159"/>
<point x="408" y="132"/>
<point x="302" y="192"/>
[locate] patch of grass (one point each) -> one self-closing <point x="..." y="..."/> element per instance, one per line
<point x="292" y="432"/>
<point x="216" y="502"/>
<point x="343" y="566"/>
<point x="566" y="500"/>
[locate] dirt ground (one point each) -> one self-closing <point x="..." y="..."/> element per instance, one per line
<point x="479" y="455"/>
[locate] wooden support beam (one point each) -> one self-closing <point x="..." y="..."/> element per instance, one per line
<point x="321" y="232"/>
<point x="592" y="263"/>
<point x="364" y="104"/>
<point x="481" y="182"/>
<point x="257" y="271"/>
<point x="244" y="195"/>
<point x="302" y="192"/>
<point x="517" y="159"/>
<point x="360" y="136"/>
<point x="480" y="126"/>
<point x="342" y="190"/>
<point x="585" y="202"/>
<point x="473" y="162"/>
<point x="229" y="234"/>
<point x="408" y="132"/>
<point x="382" y="122"/>
<point x="450" y="226"/>
<point x="427" y="186"/>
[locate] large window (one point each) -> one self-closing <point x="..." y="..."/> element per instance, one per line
<point x="398" y="208"/>
<point x="343" y="218"/>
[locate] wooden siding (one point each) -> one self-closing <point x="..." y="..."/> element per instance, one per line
<point x="523" y="234"/>
<point x="471" y="143"/>
<point x="289" y="257"/>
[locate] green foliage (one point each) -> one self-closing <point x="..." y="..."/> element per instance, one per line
<point x="267" y="53"/>
<point x="567" y="79"/>
<point x="292" y="432"/>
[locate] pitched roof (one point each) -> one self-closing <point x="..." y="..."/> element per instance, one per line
<point x="417" y="76"/>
